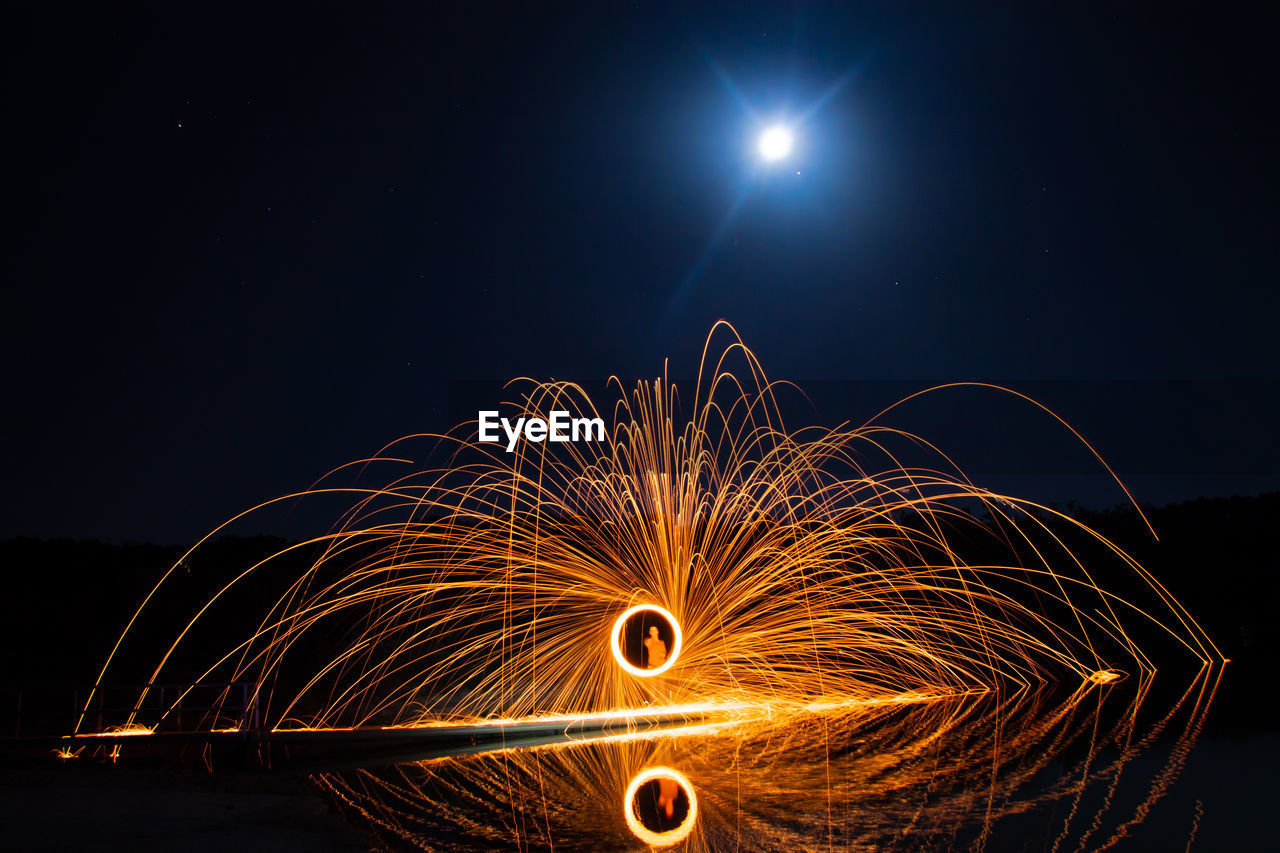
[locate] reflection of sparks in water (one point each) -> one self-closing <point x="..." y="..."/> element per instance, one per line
<point x="979" y="770"/>
<point x="803" y="569"/>
<point x="672" y="782"/>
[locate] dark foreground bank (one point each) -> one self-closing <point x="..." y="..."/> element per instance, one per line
<point x="109" y="808"/>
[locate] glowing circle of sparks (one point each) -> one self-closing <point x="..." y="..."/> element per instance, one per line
<point x="775" y="143"/>
<point x="648" y="836"/>
<point x="617" y="640"/>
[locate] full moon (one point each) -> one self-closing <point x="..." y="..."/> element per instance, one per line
<point x="775" y="143"/>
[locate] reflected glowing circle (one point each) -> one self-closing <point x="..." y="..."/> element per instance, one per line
<point x="617" y="640"/>
<point x="644" y="833"/>
<point x="775" y="143"/>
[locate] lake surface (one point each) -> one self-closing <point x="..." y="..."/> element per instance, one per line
<point x="1127" y="765"/>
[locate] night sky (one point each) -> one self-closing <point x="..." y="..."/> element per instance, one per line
<point x="248" y="245"/>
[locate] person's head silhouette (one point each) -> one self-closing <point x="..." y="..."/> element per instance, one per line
<point x="653" y="631"/>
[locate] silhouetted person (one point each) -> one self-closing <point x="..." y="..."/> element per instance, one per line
<point x="656" y="649"/>
<point x="668" y="790"/>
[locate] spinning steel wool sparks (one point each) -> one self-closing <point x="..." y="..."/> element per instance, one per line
<point x="799" y="570"/>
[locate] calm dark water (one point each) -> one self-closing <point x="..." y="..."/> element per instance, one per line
<point x="1131" y="766"/>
